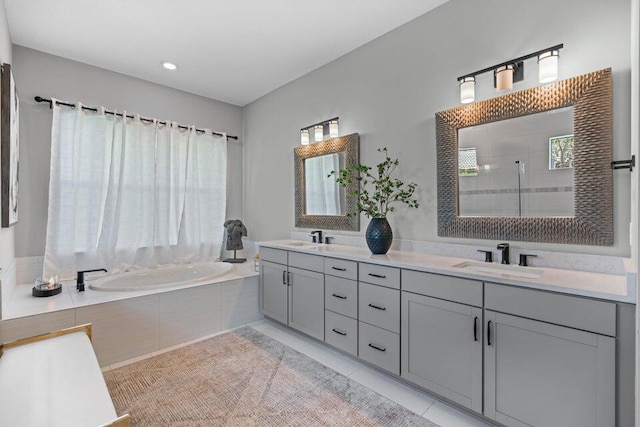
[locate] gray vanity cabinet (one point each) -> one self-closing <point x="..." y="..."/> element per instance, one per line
<point x="442" y="340"/>
<point x="541" y="369"/>
<point x="292" y="290"/>
<point x="274" y="290"/>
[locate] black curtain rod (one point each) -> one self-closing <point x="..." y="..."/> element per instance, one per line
<point x="144" y="119"/>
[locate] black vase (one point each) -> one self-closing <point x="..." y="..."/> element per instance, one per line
<point x="379" y="236"/>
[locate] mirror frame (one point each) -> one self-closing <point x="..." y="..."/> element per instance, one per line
<point x="591" y="97"/>
<point x="350" y="145"/>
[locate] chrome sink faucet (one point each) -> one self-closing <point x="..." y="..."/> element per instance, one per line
<point x="318" y="238"/>
<point x="504" y="247"/>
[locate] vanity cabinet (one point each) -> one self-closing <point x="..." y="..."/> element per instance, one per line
<point x="341" y="304"/>
<point x="442" y="340"/>
<point x="293" y="290"/>
<point x="542" y="370"/>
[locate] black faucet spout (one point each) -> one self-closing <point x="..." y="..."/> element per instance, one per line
<point x="80" y="278"/>
<point x="319" y="238"/>
<point x="504" y="248"/>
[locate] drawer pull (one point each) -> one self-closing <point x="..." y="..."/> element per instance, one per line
<point x="339" y="332"/>
<point x="339" y="296"/>
<point x="339" y="269"/>
<point x="377" y="347"/>
<point x="377" y="307"/>
<point x="379" y="276"/>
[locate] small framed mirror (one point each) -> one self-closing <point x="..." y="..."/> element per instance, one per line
<point x="533" y="165"/>
<point x="320" y="201"/>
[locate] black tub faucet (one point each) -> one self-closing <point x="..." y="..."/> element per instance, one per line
<point x="504" y="247"/>
<point x="319" y="237"/>
<point x="80" y="278"/>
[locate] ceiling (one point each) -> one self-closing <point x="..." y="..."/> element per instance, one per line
<point x="230" y="50"/>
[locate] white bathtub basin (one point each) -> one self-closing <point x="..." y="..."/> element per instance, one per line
<point x="161" y="277"/>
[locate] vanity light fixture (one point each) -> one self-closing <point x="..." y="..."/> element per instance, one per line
<point x="169" y="65"/>
<point x="304" y="136"/>
<point x="548" y="66"/>
<point x="318" y="131"/>
<point x="509" y="72"/>
<point x="467" y="89"/>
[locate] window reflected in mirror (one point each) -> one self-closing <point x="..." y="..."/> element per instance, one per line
<point x="521" y="167"/>
<point x="323" y="195"/>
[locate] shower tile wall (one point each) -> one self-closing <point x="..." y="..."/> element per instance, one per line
<point x="494" y="190"/>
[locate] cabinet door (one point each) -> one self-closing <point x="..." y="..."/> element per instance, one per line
<point x="306" y="302"/>
<point x="539" y="374"/>
<point x="274" y="290"/>
<point x="442" y="348"/>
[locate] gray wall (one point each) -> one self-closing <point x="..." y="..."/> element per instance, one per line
<point x="6" y="234"/>
<point x="38" y="73"/>
<point x="389" y="90"/>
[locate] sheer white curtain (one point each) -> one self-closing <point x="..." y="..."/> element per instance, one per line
<point x="129" y="193"/>
<point x="322" y="192"/>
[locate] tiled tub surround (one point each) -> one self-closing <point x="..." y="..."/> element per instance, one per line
<point x="131" y="324"/>
<point x="427" y="335"/>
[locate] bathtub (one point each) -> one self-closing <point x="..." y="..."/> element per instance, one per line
<point x="161" y="277"/>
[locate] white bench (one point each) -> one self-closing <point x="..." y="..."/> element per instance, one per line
<point x="54" y="380"/>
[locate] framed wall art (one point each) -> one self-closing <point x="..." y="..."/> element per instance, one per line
<point x="9" y="146"/>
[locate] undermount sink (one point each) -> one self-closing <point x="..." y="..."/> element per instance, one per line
<point x="500" y="269"/>
<point x="301" y="245"/>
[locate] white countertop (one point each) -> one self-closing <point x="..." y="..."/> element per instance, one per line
<point x="612" y="287"/>
<point x="22" y="303"/>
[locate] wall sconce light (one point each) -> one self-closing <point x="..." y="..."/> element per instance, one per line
<point x="548" y="66"/>
<point x="508" y="72"/>
<point x="318" y="131"/>
<point x="304" y="136"/>
<point x="467" y="89"/>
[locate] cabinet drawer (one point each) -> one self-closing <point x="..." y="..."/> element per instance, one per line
<point x="274" y="255"/>
<point x="341" y="268"/>
<point x="379" y="275"/>
<point x="379" y="306"/>
<point x="454" y="289"/>
<point x="575" y="312"/>
<point x="306" y="261"/>
<point x="380" y="347"/>
<point x="341" y="332"/>
<point x="341" y="296"/>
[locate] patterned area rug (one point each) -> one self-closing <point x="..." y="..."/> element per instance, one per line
<point x="244" y="378"/>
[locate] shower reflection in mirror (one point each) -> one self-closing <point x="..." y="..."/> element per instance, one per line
<point x="521" y="167"/>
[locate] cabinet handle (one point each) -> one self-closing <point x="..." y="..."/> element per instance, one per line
<point x="379" y="276"/>
<point x="284" y="277"/>
<point x="489" y="332"/>
<point x="475" y="328"/>
<point x="339" y="296"/>
<point x="289" y="278"/>
<point x="339" y="332"/>
<point x="377" y="307"/>
<point x="376" y="347"/>
<point x="339" y="269"/>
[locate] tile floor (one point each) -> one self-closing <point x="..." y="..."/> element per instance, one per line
<point x="412" y="399"/>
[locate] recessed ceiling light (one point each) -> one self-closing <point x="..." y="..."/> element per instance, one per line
<point x="169" y="65"/>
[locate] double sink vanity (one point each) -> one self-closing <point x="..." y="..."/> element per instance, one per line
<point x="518" y="345"/>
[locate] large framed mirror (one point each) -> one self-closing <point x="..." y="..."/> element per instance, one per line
<point x="319" y="201"/>
<point x="534" y="165"/>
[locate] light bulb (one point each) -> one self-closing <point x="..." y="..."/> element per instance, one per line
<point x="304" y="137"/>
<point x="333" y="129"/>
<point x="319" y="133"/>
<point x="169" y="65"/>
<point x="504" y="77"/>
<point x="467" y="90"/>
<point x="548" y="66"/>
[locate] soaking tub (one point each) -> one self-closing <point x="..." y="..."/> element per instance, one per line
<point x="161" y="277"/>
